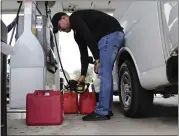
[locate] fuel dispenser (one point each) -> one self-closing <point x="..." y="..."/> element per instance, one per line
<point x="34" y="65"/>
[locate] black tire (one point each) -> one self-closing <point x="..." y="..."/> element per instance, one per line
<point x="141" y="99"/>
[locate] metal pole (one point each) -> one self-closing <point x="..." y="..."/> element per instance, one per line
<point x="3" y="95"/>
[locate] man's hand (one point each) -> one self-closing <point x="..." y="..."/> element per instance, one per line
<point x="96" y="66"/>
<point x="81" y="79"/>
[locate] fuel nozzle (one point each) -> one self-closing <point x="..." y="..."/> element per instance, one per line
<point x="72" y="85"/>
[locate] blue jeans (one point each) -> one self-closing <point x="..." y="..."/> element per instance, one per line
<point x="109" y="47"/>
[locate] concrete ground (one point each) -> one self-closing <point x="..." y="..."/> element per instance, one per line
<point x="163" y="121"/>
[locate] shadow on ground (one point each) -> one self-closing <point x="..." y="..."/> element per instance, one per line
<point x="163" y="110"/>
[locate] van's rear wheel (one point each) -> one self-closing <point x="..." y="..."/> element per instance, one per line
<point x="134" y="100"/>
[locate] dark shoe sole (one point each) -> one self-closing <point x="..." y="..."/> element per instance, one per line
<point x="95" y="117"/>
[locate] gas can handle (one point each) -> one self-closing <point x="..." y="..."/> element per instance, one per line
<point x="43" y="92"/>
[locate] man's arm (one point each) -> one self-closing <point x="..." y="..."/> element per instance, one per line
<point x="80" y="26"/>
<point x="84" y="54"/>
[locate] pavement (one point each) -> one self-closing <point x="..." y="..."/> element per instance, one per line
<point x="163" y="120"/>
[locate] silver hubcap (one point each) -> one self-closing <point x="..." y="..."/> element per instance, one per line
<point x="126" y="89"/>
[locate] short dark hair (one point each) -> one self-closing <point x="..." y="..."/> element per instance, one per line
<point x="56" y="18"/>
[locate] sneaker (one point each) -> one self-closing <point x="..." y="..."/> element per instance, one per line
<point x="95" y="117"/>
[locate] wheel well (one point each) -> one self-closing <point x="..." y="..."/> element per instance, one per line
<point x="124" y="56"/>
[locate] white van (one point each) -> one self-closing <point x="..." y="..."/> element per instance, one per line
<point x="148" y="62"/>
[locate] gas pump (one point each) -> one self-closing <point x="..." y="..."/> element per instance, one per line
<point x="29" y="68"/>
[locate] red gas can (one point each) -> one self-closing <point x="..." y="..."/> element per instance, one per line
<point x="87" y="102"/>
<point x="44" y="108"/>
<point x="70" y="102"/>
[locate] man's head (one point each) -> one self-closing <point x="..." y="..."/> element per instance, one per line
<point x="61" y="22"/>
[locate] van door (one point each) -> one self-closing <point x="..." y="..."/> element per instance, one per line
<point x="169" y="14"/>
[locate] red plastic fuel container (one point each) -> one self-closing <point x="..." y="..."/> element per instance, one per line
<point x="87" y="102"/>
<point x="70" y="102"/>
<point x="44" y="107"/>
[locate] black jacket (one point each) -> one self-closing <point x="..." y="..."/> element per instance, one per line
<point x="89" y="27"/>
